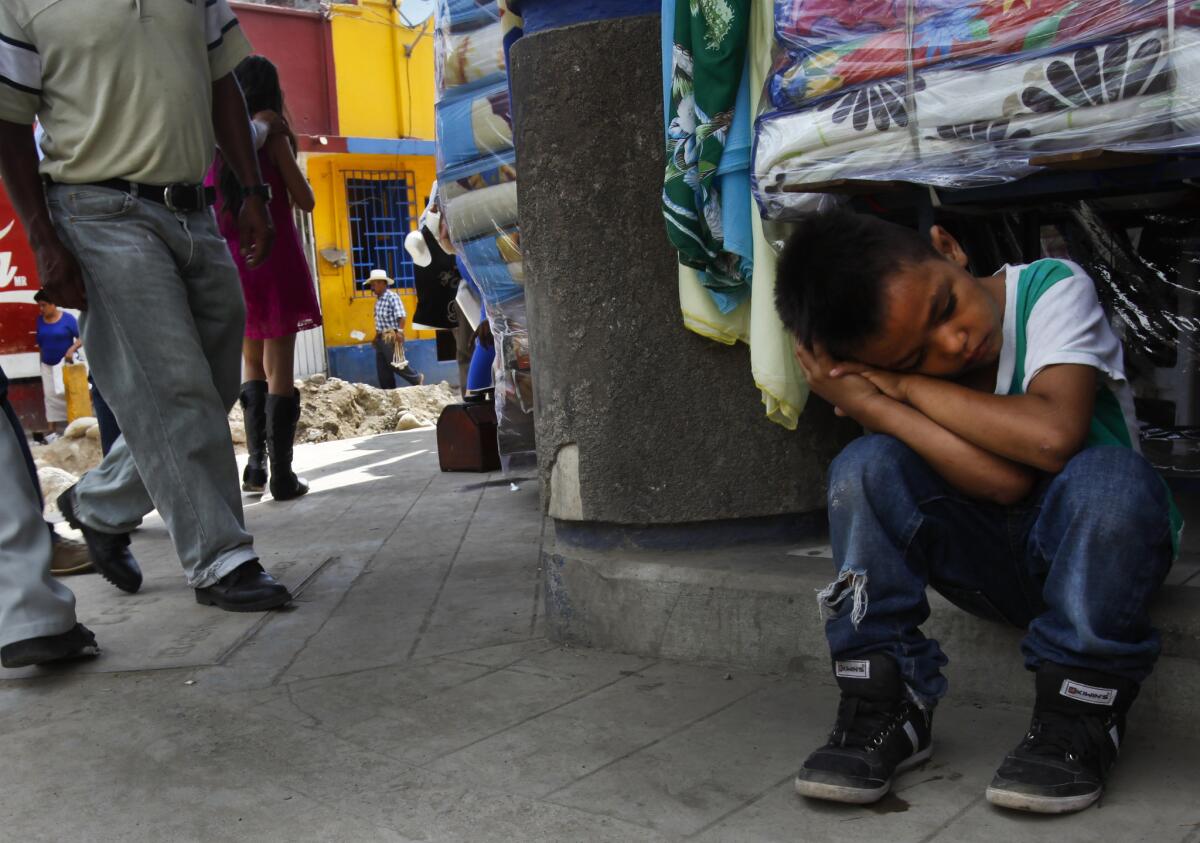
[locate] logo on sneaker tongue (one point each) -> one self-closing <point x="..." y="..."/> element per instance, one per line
<point x="853" y="669"/>
<point x="1087" y="693"/>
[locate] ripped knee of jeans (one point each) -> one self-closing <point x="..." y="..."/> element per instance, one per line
<point x="851" y="584"/>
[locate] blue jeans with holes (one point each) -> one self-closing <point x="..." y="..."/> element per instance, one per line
<point x="1075" y="564"/>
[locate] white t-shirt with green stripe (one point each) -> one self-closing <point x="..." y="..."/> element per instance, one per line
<point x="1052" y="316"/>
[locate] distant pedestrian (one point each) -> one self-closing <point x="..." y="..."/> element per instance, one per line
<point x="389" y="333"/>
<point x="280" y="297"/>
<point x="134" y="98"/>
<point x="57" y="341"/>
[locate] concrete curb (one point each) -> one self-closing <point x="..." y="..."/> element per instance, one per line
<point x="754" y="607"/>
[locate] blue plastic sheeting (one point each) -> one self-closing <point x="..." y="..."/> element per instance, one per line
<point x="552" y="14"/>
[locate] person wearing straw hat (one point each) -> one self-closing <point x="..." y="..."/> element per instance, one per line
<point x="389" y="333"/>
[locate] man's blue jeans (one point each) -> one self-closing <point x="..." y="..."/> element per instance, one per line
<point x="1075" y="564"/>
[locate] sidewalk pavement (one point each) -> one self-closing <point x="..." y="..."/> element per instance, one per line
<point x="410" y="695"/>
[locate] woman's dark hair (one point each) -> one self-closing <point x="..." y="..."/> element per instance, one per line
<point x="831" y="275"/>
<point x="260" y="86"/>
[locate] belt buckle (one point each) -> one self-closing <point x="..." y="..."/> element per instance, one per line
<point x="195" y="196"/>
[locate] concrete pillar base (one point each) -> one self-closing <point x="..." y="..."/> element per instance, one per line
<point x="753" y="607"/>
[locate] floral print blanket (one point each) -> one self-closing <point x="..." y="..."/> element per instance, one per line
<point x="993" y="86"/>
<point x="828" y="45"/>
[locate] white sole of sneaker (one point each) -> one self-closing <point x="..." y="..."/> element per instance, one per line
<point x="858" y="795"/>
<point x="1039" y="804"/>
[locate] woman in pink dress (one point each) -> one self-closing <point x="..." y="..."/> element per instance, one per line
<point x="280" y="297"/>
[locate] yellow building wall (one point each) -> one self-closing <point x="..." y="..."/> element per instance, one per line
<point x="385" y="72"/>
<point x="343" y="311"/>
<point x="385" y="89"/>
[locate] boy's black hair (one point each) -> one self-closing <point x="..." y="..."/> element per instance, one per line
<point x="41" y="296"/>
<point x="831" y="274"/>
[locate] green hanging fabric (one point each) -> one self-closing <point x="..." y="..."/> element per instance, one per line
<point x="710" y="42"/>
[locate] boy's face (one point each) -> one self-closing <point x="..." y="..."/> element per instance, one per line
<point x="938" y="319"/>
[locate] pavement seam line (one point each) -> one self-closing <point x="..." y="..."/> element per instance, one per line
<point x="758" y="797"/>
<point x="266" y="617"/>
<point x="520" y="723"/>
<point x="350" y="588"/>
<point x="959" y="814"/>
<point x="540" y="580"/>
<point x="437" y="596"/>
<point x="657" y="740"/>
<point x="450" y="655"/>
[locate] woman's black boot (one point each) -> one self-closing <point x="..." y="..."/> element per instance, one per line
<point x="253" y="399"/>
<point x="283" y="411"/>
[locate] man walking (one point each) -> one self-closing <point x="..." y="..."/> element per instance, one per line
<point x="389" y="332"/>
<point x="134" y="96"/>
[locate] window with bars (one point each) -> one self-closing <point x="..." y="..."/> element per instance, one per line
<point x="382" y="210"/>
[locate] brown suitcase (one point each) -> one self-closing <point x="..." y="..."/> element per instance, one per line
<point x="466" y="437"/>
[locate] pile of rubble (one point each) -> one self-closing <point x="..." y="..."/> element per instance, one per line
<point x="330" y="409"/>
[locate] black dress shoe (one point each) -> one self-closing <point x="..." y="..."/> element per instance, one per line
<point x="109" y="551"/>
<point x="247" y="588"/>
<point x="76" y="643"/>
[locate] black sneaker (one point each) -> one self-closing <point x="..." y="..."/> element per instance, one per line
<point x="879" y="732"/>
<point x="1077" y="727"/>
<point x="76" y="643"/>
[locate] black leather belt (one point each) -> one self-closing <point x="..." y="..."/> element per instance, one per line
<point x="183" y="198"/>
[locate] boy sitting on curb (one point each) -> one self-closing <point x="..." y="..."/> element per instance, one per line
<point x="1003" y="470"/>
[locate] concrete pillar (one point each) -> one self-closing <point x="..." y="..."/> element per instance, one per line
<point x="647" y="434"/>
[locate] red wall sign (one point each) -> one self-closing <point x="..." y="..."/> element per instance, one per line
<point x="18" y="283"/>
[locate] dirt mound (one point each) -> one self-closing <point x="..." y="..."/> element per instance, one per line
<point x="331" y="409"/>
<point x="334" y="409"/>
<point x="74" y="456"/>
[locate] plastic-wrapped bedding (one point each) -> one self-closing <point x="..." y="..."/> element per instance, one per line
<point x="468" y="14"/>
<point x="476" y="56"/>
<point x="479" y="212"/>
<point x="827" y="45"/>
<point x="476" y="175"/>
<point x="964" y="123"/>
<point x="477" y="192"/>
<point x="499" y="269"/>
<point x="472" y="127"/>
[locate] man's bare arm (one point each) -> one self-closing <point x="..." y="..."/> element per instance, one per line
<point x="58" y="271"/>
<point x="232" y="126"/>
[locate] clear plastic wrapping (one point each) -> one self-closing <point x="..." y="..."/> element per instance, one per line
<point x="477" y="191"/>
<point x="962" y="94"/>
